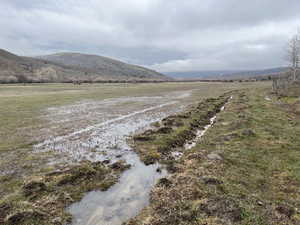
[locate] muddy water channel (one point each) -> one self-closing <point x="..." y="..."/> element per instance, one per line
<point x="100" y="130"/>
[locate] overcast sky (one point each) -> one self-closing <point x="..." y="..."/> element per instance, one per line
<point x="166" y="35"/>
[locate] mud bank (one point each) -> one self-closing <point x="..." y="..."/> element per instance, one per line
<point x="177" y="133"/>
<point x="201" y="132"/>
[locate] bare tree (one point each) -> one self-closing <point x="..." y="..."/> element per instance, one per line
<point x="294" y="53"/>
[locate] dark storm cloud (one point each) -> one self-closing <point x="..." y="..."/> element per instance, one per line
<point x="165" y="35"/>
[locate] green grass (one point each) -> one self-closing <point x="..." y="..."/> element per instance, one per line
<point x="256" y="182"/>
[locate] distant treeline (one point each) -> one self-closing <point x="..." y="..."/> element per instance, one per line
<point x="127" y="81"/>
<point x="78" y="82"/>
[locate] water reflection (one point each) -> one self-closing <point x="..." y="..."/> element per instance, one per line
<point x="122" y="201"/>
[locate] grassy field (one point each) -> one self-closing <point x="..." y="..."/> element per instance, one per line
<point x="245" y="170"/>
<point x="22" y="107"/>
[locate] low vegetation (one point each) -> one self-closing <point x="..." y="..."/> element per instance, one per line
<point x="245" y="170"/>
<point x="22" y="169"/>
<point x="43" y="199"/>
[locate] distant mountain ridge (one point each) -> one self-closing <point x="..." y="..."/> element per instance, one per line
<point x="226" y="74"/>
<point x="67" y="67"/>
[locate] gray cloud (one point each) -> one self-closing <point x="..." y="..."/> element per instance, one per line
<point x="164" y="35"/>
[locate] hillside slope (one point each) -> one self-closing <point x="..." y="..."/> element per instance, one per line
<point x="104" y="66"/>
<point x="15" y="68"/>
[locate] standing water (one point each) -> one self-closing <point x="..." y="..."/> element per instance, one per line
<point x="107" y="139"/>
<point x="113" y="122"/>
<point x="128" y="197"/>
<point x="122" y="201"/>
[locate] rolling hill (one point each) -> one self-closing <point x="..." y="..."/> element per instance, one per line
<point x="103" y="66"/>
<point x="67" y="67"/>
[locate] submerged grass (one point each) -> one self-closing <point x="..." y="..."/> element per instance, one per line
<point x="245" y="170"/>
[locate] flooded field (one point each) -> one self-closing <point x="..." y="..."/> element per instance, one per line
<point x="98" y="131"/>
<point x="125" y="199"/>
<point x="52" y="127"/>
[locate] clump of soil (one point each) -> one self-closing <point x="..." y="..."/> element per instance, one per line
<point x="33" y="187"/>
<point x="26" y="217"/>
<point x="164" y="182"/>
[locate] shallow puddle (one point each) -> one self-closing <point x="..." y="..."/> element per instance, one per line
<point x="122" y="201"/>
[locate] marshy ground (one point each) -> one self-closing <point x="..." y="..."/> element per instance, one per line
<point x="68" y="129"/>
